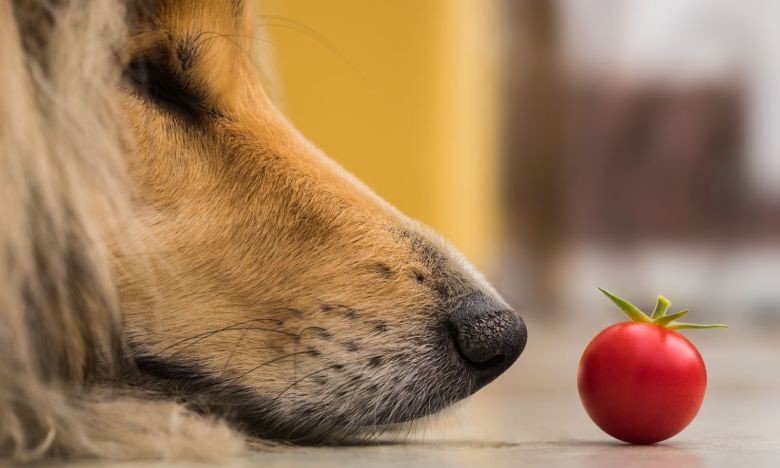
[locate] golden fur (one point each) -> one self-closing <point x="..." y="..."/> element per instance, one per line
<point x="180" y="270"/>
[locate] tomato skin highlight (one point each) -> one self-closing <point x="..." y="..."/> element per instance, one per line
<point x="640" y="382"/>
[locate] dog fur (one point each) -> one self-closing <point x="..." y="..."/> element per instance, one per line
<point x="182" y="274"/>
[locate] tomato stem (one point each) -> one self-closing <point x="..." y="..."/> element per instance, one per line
<point x="628" y="308"/>
<point x="659" y="316"/>
<point x="660" y="307"/>
<point x="671" y="318"/>
<point x="681" y="325"/>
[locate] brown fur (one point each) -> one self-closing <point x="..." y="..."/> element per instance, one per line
<point x="174" y="251"/>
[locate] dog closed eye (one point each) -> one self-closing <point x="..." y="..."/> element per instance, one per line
<point x="152" y="76"/>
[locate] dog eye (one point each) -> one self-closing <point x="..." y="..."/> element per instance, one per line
<point x="158" y="83"/>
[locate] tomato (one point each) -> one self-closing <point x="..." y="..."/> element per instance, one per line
<point x="641" y="381"/>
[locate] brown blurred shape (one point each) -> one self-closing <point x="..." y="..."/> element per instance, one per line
<point x="609" y="162"/>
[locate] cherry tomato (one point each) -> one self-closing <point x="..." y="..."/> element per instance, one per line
<point x="641" y="381"/>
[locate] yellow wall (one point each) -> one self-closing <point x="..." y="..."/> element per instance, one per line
<point x="402" y="93"/>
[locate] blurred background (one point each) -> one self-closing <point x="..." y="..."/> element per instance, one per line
<point x="564" y="145"/>
<point x="560" y="144"/>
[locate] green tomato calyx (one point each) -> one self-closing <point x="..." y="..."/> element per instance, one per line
<point x="658" y="317"/>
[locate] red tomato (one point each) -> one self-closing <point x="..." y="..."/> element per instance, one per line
<point x="641" y="381"/>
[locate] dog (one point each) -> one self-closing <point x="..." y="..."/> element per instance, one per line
<point x="182" y="274"/>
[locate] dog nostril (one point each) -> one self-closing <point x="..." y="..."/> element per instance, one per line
<point x="472" y="348"/>
<point x="488" y="339"/>
<point x="485" y="365"/>
<point x="494" y="361"/>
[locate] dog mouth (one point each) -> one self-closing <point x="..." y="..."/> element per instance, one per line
<point x="328" y="398"/>
<point x="364" y="408"/>
<point x="361" y="404"/>
<point x="313" y="425"/>
<point x="361" y="419"/>
<point x="418" y="386"/>
<point x="364" y="405"/>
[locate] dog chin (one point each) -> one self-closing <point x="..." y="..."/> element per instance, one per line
<point x="321" y="425"/>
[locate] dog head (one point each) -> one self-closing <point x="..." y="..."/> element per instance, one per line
<point x="272" y="285"/>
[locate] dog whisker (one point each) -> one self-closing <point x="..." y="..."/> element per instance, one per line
<point x="212" y="332"/>
<point x="267" y="363"/>
<point x="233" y="351"/>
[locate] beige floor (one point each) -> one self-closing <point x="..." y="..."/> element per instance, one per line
<point x="532" y="417"/>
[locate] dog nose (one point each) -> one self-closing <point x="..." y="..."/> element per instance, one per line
<point x="488" y="336"/>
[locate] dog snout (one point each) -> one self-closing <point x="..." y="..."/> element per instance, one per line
<point x="488" y="336"/>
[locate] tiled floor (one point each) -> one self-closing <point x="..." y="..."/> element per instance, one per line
<point x="532" y="417"/>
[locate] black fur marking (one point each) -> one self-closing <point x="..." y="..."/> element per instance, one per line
<point x="375" y="361"/>
<point x="173" y="371"/>
<point x="348" y="311"/>
<point x="351" y="346"/>
<point x="384" y="270"/>
<point x="326" y="307"/>
<point x="153" y="77"/>
<point x="381" y="327"/>
<point x="419" y="277"/>
<point x="205" y="394"/>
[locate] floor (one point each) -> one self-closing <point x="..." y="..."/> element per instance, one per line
<point x="532" y="417"/>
